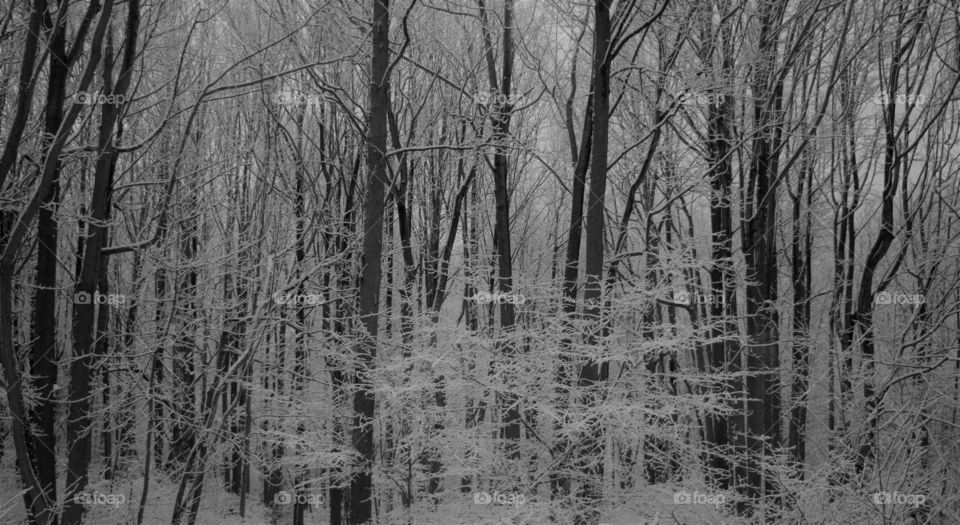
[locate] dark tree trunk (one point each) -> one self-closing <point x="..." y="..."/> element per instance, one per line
<point x="14" y="229"/>
<point x="34" y="466"/>
<point x="500" y="120"/>
<point x="722" y="277"/>
<point x="44" y="352"/>
<point x="183" y="433"/>
<point x="128" y="415"/>
<point x="844" y="252"/>
<point x="364" y="400"/>
<point x="761" y="357"/>
<point x="274" y="385"/>
<point x="339" y="490"/>
<point x="802" y="279"/>
<point x="237" y="390"/>
<point x="301" y="370"/>
<point x="474" y="407"/>
<point x="159" y="392"/>
<point x="594" y="372"/>
<point x="84" y="325"/>
<point x="102" y="353"/>
<point x="560" y="482"/>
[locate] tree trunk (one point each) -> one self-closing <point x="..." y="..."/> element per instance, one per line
<point x="39" y="498"/>
<point x="44" y="354"/>
<point x="594" y="372"/>
<point x="183" y="434"/>
<point x="802" y="281"/>
<point x="722" y="276"/>
<point x="301" y="369"/>
<point x="84" y="326"/>
<point x="761" y="357"/>
<point x="364" y="400"/>
<point x="500" y="120"/>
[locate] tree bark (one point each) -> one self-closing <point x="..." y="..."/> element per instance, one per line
<point x="594" y="371"/>
<point x="44" y="354"/>
<point x="802" y="281"/>
<point x="364" y="399"/>
<point x="761" y="356"/>
<point x="78" y="424"/>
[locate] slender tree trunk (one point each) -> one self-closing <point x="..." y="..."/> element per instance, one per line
<point x="802" y="279"/>
<point x="102" y="353"/>
<point x="148" y="448"/>
<point x="301" y="370"/>
<point x="560" y="481"/>
<point x="500" y="120"/>
<point x="474" y="408"/>
<point x="183" y="433"/>
<point x="129" y="415"/>
<point x="339" y="491"/>
<point x="159" y="393"/>
<point x="907" y="37"/>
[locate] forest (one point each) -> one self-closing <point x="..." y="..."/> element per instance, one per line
<point x="480" y="262"/>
